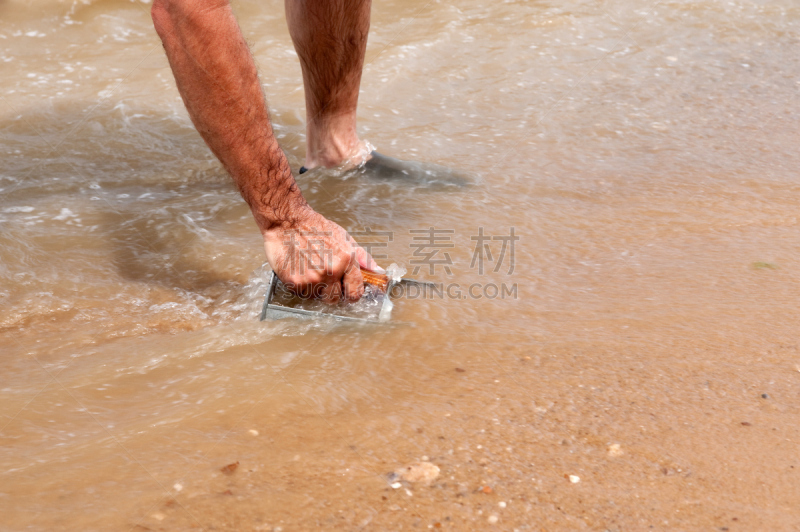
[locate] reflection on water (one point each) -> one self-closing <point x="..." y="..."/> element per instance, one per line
<point x="645" y="155"/>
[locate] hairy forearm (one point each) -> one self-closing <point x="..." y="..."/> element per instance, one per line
<point x="218" y="81"/>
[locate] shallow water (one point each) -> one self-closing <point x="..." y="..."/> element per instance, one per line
<point x="645" y="154"/>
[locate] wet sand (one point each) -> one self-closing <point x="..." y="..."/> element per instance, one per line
<point x="645" y="376"/>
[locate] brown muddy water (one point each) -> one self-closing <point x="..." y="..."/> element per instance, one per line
<point x="644" y="374"/>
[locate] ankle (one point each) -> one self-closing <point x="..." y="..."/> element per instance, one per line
<point x="331" y="141"/>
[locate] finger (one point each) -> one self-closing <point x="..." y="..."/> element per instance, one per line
<point x="329" y="292"/>
<point x="353" y="282"/>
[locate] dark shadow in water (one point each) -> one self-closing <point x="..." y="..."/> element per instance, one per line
<point x="108" y="161"/>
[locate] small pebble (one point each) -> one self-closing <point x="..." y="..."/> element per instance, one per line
<point x="230" y="468"/>
<point x="614" y="449"/>
<point x="501" y="504"/>
<point x="574" y="479"/>
<point x="158" y="516"/>
<point x="397" y="485"/>
<point x="764" y="396"/>
<point x="493" y="519"/>
<point x="177" y="487"/>
<point x="425" y="472"/>
<point x="425" y="458"/>
<point x="254" y="432"/>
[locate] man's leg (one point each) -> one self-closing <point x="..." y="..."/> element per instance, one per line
<point x="330" y="37"/>
<point x="218" y="81"/>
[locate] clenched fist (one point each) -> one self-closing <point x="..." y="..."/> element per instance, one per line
<point x="315" y="257"/>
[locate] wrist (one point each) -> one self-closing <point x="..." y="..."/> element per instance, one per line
<point x="274" y="198"/>
<point x="280" y="214"/>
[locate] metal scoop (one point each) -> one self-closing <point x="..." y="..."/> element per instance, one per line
<point x="379" y="285"/>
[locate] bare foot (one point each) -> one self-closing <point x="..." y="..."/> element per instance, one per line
<point x="378" y="167"/>
<point x="332" y="142"/>
<point x="358" y="154"/>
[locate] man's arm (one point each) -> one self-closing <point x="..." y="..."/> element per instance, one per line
<point x="218" y="81"/>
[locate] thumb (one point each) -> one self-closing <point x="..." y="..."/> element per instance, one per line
<point x="365" y="260"/>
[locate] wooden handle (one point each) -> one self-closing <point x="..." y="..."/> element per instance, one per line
<point x="376" y="279"/>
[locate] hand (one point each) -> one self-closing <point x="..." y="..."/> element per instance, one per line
<point x="315" y="257"/>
